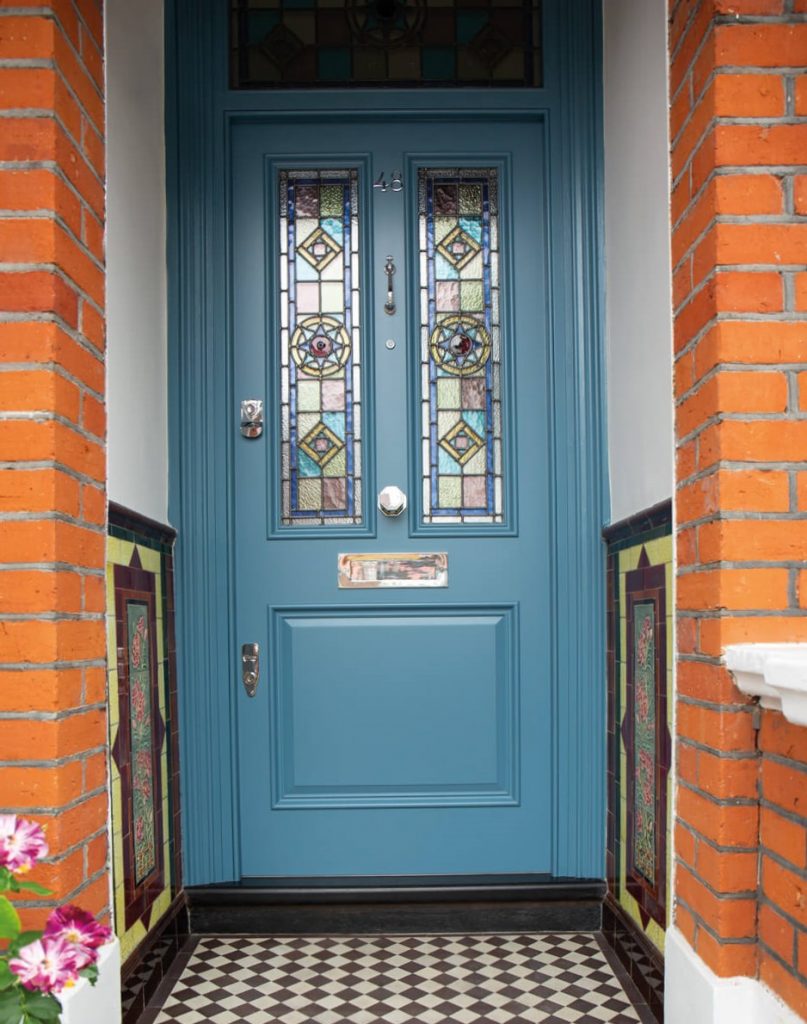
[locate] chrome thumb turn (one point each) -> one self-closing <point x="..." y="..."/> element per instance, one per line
<point x="392" y="501"/>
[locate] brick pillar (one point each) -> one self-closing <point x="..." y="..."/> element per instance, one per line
<point x="739" y="133"/>
<point x="52" y="447"/>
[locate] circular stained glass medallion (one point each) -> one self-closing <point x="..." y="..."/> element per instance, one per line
<point x="320" y="346"/>
<point x="460" y="345"/>
<point x="386" y="23"/>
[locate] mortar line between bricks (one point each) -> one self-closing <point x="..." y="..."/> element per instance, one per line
<point x="791" y="969"/>
<point x="51" y="15"/>
<point x="710" y="705"/>
<point x="745" y="170"/>
<point x="52" y="666"/>
<point x="56" y="170"/>
<point x="741" y="516"/>
<point x="705" y="39"/>
<point x="691" y="343"/>
<point x="684" y="33"/>
<point x="53" y="319"/>
<point x="745" y="895"/>
<point x="77" y="56"/>
<point x="52" y="268"/>
<point x="735" y="465"/>
<point x="718" y="847"/>
<point x="750" y="940"/>
<point x="52" y="215"/>
<point x="62" y="808"/>
<point x="731" y="613"/>
<point x="750" y="368"/>
<point x="49" y="114"/>
<point x="36" y="113"/>
<point x="71" y="897"/>
<point x="58" y="762"/>
<point x="766" y="901"/>
<point x="56" y="617"/>
<point x="48" y="416"/>
<point x="727" y="565"/>
<point x="52" y="464"/>
<point x="722" y="755"/>
<point x="723" y="803"/>
<point x="52" y="367"/>
<point x="718" y="418"/>
<point x="784" y="812"/>
<point x="52" y="716"/>
<point x="760" y="19"/>
<point x="784" y="863"/>
<point x="51" y="567"/>
<point x="52" y="517"/>
<point x="786" y="762"/>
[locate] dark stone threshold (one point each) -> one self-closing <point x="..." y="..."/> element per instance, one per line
<point x="643" y="963"/>
<point x="397" y="906"/>
<point x="153" y="960"/>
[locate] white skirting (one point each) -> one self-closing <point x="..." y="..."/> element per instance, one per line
<point x="100" y="1004"/>
<point x="694" y="994"/>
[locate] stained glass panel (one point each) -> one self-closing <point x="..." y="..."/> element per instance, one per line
<point x="401" y="43"/>
<point x="460" y="345"/>
<point x="320" y="378"/>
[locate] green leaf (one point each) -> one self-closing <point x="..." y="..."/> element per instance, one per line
<point x="41" y="1007"/>
<point x="90" y="973"/>
<point x="7" y="976"/>
<point x="40" y="890"/>
<point x="10" y="1009"/>
<point x="9" y="920"/>
<point x="5" y="879"/>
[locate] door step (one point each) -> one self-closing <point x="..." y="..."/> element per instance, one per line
<point x="397" y="906"/>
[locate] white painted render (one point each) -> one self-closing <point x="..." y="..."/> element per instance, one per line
<point x="137" y="385"/>
<point x="99" y="1004"/>
<point x="693" y="994"/>
<point x="637" y="254"/>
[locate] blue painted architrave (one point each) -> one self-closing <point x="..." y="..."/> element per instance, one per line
<point x="204" y="421"/>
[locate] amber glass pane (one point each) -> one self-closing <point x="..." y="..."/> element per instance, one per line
<point x="309" y="43"/>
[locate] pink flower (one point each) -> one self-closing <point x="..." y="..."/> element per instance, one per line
<point x="22" y="843"/>
<point x="80" y="931"/>
<point x="48" y="965"/>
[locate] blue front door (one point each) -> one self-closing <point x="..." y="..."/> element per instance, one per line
<point x="390" y="309"/>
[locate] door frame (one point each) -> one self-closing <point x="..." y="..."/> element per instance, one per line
<point x="203" y="424"/>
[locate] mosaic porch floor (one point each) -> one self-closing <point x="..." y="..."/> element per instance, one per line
<point x="461" y="979"/>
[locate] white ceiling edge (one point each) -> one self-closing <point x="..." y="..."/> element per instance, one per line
<point x="776" y="673"/>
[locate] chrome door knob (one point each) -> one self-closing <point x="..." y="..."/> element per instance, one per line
<point x="392" y="501"/>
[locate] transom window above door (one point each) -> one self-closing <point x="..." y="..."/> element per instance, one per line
<point x="398" y="43"/>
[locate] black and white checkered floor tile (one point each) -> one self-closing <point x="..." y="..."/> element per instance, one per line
<point x="450" y="979"/>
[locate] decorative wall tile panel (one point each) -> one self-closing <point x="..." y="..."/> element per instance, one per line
<point x="143" y="737"/>
<point x="639" y="708"/>
<point x="299" y="43"/>
<point x="461" y="399"/>
<point x="320" y="351"/>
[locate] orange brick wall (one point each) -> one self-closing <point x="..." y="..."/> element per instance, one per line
<point x="738" y="125"/>
<point x="52" y="431"/>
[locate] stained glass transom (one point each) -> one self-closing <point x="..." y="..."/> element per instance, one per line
<point x="460" y="345"/>
<point x="320" y="379"/>
<point x="310" y="43"/>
